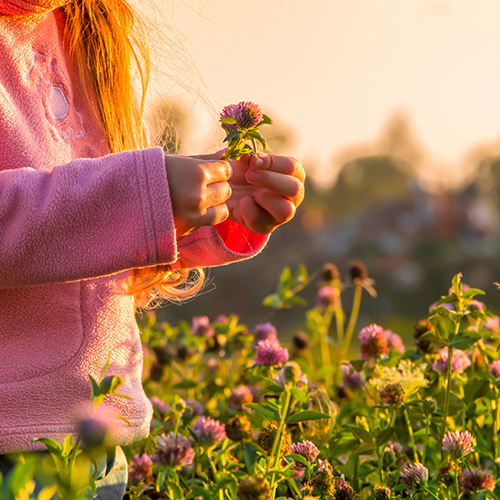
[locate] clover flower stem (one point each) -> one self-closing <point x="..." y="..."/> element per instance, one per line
<point x="393" y="417"/>
<point x="214" y="472"/>
<point x="339" y="317"/>
<point x="496" y="428"/>
<point x="457" y="489"/>
<point x="352" y="320"/>
<point x="426" y="439"/>
<point x="410" y="433"/>
<point x="325" y="344"/>
<point x="430" y="493"/>
<point x="275" y="453"/>
<point x="380" y="469"/>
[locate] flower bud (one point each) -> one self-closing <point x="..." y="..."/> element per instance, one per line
<point x="330" y="273"/>
<point x="357" y="270"/>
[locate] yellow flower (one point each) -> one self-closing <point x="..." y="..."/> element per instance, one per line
<point x="410" y="376"/>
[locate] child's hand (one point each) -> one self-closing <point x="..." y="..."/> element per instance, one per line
<point x="199" y="190"/>
<point x="266" y="191"/>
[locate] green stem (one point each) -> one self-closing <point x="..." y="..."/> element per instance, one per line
<point x="426" y="439"/>
<point x="339" y="316"/>
<point x="410" y="432"/>
<point x="325" y="344"/>
<point x="275" y="453"/>
<point x="457" y="490"/>
<point x="352" y="321"/>
<point x="496" y="429"/>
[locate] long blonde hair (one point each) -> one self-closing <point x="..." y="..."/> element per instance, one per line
<point x="108" y="42"/>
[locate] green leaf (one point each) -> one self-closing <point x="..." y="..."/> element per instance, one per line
<point x="384" y="436"/>
<point x="471" y="292"/>
<point x="273" y="301"/>
<point x="364" y="449"/>
<point x="456" y="284"/>
<point x="185" y="384"/>
<point x="299" y="394"/>
<point x="298" y="458"/>
<point x="362" y="434"/>
<point x="476" y="388"/>
<point x="232" y="135"/>
<point x="53" y="446"/>
<point x="228" y="121"/>
<point x="265" y="120"/>
<point x="95" y="387"/>
<point x="465" y="340"/>
<point x="265" y="411"/>
<point x="301" y="416"/>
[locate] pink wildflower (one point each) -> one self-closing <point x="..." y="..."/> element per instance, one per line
<point x="350" y="377"/>
<point x="270" y="352"/>
<point x="373" y="342"/>
<point x="414" y="474"/>
<point x="246" y="113"/>
<point x="458" y="444"/>
<point x="394" y="341"/>
<point x="193" y="408"/>
<point x="476" y="480"/>
<point x="495" y="368"/>
<point x="173" y="451"/>
<point x="307" y="449"/>
<point x="459" y="361"/>
<point x="264" y="331"/>
<point x="141" y="469"/>
<point x="209" y="431"/>
<point x="201" y="327"/>
<point x="240" y="396"/>
<point x="94" y="427"/>
<point x="325" y="297"/>
<point x="159" y="405"/>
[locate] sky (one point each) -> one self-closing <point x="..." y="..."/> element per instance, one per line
<point x="337" y="70"/>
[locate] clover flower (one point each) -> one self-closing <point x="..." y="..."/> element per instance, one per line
<point x="239" y="396"/>
<point x="392" y="394"/>
<point x="343" y="490"/>
<point x="373" y="342"/>
<point x="350" y="377"/>
<point x="393" y="455"/>
<point x="270" y="352"/>
<point x="209" y="431"/>
<point x="494" y="368"/>
<point x="264" y="331"/>
<point x="254" y="488"/>
<point x="239" y="428"/>
<point x="94" y="426"/>
<point x="323" y="483"/>
<point x="325" y="297"/>
<point x="291" y="373"/>
<point x="476" y="480"/>
<point x="306" y="449"/>
<point x="381" y="492"/>
<point x="414" y="475"/>
<point x="394" y="341"/>
<point x="141" y="469"/>
<point x="246" y="115"/>
<point x="159" y="405"/>
<point x="330" y="273"/>
<point x="268" y="435"/>
<point x="201" y="327"/>
<point x="172" y="451"/>
<point x="459" y="361"/>
<point x="193" y="408"/>
<point x="458" y="444"/>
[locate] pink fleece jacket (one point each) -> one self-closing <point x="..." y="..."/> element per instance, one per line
<point x="74" y="220"/>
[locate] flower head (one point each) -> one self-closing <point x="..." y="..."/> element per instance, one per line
<point x="264" y="331"/>
<point x="209" y="431"/>
<point x="325" y="297"/>
<point x="301" y="342"/>
<point x="268" y="435"/>
<point x="94" y="427"/>
<point x="159" y="405"/>
<point x="254" y="488"/>
<point x="394" y="341"/>
<point x="392" y="394"/>
<point x="343" y="490"/>
<point x="459" y="361"/>
<point x="330" y="272"/>
<point x="357" y="270"/>
<point x="458" y="444"/>
<point x="421" y="328"/>
<point x="292" y="373"/>
<point x="141" y="469"/>
<point x="307" y="449"/>
<point x="239" y="396"/>
<point x="381" y="492"/>
<point x="373" y="342"/>
<point x="475" y="480"/>
<point x="350" y="377"/>
<point x="239" y="428"/>
<point x="270" y="352"/>
<point x="318" y="400"/>
<point x="414" y="475"/>
<point x="494" y="368"/>
<point x="201" y="327"/>
<point x="410" y="376"/>
<point x="173" y="451"/>
<point x="247" y="115"/>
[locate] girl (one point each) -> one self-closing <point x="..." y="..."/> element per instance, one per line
<point x="90" y="216"/>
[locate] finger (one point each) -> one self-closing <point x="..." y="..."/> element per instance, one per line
<point x="284" y="185"/>
<point x="219" y="171"/>
<point x="216" y="194"/>
<point x="281" y="209"/>
<point x="255" y="217"/>
<point x="214" y="215"/>
<point x="282" y="164"/>
<point x="218" y="155"/>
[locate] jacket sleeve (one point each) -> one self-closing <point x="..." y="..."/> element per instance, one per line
<point x="88" y="218"/>
<point x="218" y="245"/>
<point x="29" y="7"/>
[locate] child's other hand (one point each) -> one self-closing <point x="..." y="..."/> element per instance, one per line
<point x="199" y="190"/>
<point x="266" y="191"/>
